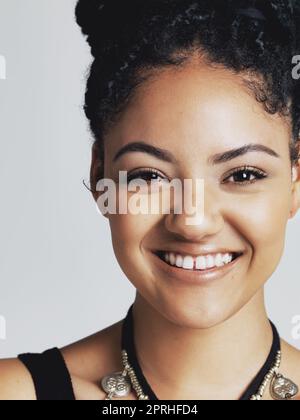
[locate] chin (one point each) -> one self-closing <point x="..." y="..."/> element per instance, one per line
<point x="198" y="316"/>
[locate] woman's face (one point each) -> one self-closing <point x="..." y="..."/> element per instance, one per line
<point x="194" y="114"/>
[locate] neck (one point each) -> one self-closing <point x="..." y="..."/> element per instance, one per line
<point x="219" y="362"/>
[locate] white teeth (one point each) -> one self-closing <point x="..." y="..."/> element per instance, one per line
<point x="201" y="263"/>
<point x="210" y="261"/>
<point x="227" y="258"/>
<point x="219" y="260"/>
<point x="179" y="261"/>
<point x="188" y="263"/>
<point x="172" y="258"/>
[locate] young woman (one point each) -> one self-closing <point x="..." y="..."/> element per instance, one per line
<point x="188" y="89"/>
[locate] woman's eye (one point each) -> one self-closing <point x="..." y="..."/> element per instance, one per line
<point x="146" y="175"/>
<point x="245" y="176"/>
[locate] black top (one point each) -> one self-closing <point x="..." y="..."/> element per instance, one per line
<point x="50" y="375"/>
<point x="52" y="379"/>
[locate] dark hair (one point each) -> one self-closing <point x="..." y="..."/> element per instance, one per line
<point x="131" y="40"/>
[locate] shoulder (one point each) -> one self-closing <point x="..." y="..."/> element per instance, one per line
<point x="87" y="361"/>
<point x="89" y="357"/>
<point x="290" y="366"/>
<point x="15" y="381"/>
<point x="290" y="358"/>
<point x="92" y="358"/>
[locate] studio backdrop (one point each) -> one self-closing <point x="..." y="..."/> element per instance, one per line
<point x="59" y="277"/>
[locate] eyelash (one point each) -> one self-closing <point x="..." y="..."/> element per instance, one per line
<point x="250" y="170"/>
<point x="141" y="172"/>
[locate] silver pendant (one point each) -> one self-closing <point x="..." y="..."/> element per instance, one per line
<point x="116" y="385"/>
<point x="283" y="388"/>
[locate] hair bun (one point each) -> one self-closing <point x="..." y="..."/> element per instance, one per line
<point x="88" y="16"/>
<point x="88" y="13"/>
<point x="104" y="21"/>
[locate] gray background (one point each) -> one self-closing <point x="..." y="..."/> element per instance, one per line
<point x="59" y="278"/>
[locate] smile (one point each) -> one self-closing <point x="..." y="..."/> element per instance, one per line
<point x="197" y="270"/>
<point x="201" y="262"/>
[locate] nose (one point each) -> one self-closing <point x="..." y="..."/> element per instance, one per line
<point x="207" y="219"/>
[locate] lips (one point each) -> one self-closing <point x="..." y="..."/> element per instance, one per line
<point x="200" y="262"/>
<point x="181" y="276"/>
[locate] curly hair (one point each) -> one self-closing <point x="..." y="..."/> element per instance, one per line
<point x="131" y="40"/>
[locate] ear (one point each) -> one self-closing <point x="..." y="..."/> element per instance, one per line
<point x="295" y="203"/>
<point x="97" y="173"/>
<point x="96" y="170"/>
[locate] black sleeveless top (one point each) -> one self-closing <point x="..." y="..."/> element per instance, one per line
<point x="50" y="375"/>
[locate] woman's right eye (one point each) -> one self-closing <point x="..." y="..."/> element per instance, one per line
<point x="146" y="175"/>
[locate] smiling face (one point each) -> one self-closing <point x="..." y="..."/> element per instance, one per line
<point x="194" y="115"/>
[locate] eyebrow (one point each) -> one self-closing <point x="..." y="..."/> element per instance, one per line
<point x="232" y="154"/>
<point x="161" y="154"/>
<point x="167" y="156"/>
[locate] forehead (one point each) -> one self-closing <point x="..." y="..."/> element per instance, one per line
<point x="197" y="103"/>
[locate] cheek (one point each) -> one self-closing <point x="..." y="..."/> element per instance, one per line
<point x="263" y="223"/>
<point x="128" y="232"/>
<point x="130" y="228"/>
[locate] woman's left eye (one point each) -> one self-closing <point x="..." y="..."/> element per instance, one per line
<point x="246" y="175"/>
